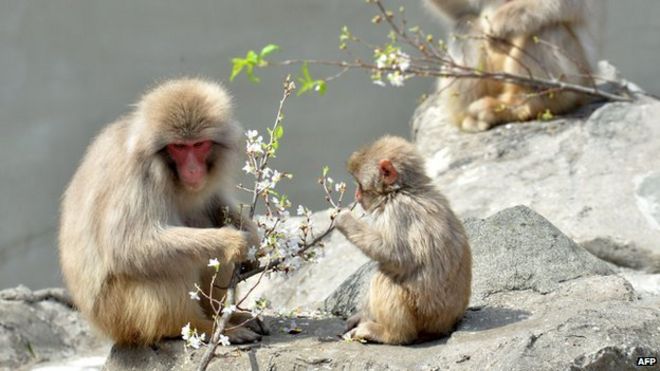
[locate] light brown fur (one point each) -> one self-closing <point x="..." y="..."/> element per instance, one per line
<point x="132" y="240"/>
<point x="422" y="286"/>
<point x="548" y="39"/>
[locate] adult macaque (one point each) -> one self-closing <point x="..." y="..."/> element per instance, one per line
<point x="422" y="286"/>
<point x="145" y="212"/>
<point x="544" y="39"/>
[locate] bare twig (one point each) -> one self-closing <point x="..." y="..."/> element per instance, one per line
<point x="302" y="250"/>
<point x="230" y="298"/>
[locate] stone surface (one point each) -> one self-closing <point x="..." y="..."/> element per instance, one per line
<point x="540" y="302"/>
<point x="594" y="174"/>
<point x="515" y="249"/>
<point x="589" y="323"/>
<point x="40" y="326"/>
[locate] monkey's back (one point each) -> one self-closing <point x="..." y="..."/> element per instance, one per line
<point x="439" y="290"/>
<point x="95" y="215"/>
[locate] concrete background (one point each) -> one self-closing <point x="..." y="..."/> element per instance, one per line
<point x="69" y="67"/>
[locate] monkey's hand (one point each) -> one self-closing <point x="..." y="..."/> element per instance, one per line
<point x="235" y="243"/>
<point x="344" y="219"/>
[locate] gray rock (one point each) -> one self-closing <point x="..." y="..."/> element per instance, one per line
<point x="518" y="249"/>
<point x="346" y="299"/>
<point x="41" y="326"/>
<point x="515" y="249"/>
<point x="589" y="323"/>
<point x="594" y="174"/>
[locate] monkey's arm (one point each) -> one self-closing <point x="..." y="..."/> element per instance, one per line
<point x="180" y="246"/>
<point x="519" y="17"/>
<point x="373" y="243"/>
<point x="455" y="9"/>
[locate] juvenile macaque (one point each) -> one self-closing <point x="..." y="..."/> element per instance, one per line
<point x="543" y="39"/>
<point x="422" y="286"/>
<point x="146" y="210"/>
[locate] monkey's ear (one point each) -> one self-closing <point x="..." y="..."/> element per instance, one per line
<point x="387" y="171"/>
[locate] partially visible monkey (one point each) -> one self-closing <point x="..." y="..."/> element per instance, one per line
<point x="422" y="286"/>
<point x="548" y="39"/>
<point x="145" y="211"/>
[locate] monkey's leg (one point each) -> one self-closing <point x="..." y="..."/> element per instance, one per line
<point x="353" y="321"/>
<point x="529" y="58"/>
<point x="390" y="320"/>
<point x="390" y="333"/>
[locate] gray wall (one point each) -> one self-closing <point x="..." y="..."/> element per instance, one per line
<point x="69" y="67"/>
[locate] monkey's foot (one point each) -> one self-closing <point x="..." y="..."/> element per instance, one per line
<point x="242" y="335"/>
<point x="362" y="334"/>
<point x="472" y="125"/>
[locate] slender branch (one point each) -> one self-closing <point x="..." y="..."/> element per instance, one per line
<point x="230" y="300"/>
<point x="215" y="339"/>
<point x="279" y="261"/>
<point x="303" y="250"/>
<point x="471" y="74"/>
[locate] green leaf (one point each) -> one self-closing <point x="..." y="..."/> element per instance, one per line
<point x="306" y="82"/>
<point x="252" y="57"/>
<point x="238" y="64"/>
<point x="279" y="132"/>
<point x="268" y="49"/>
<point x="325" y="171"/>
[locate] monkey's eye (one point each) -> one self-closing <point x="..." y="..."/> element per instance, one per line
<point x="198" y="144"/>
<point x="179" y="145"/>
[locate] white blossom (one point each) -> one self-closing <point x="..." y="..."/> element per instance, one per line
<point x="329" y="180"/>
<point x="248" y="168"/>
<point x="403" y="61"/>
<point x="230" y="309"/>
<point x="381" y="62"/>
<point x="253" y="148"/>
<point x="300" y="210"/>
<point x="191" y="337"/>
<point x="293" y="263"/>
<point x="277" y="176"/>
<point x="252" y="253"/>
<point x="378" y="82"/>
<point x="264" y="185"/>
<point x="186" y="331"/>
<point x="340" y="187"/>
<point x="251" y="134"/>
<point x="214" y="263"/>
<point x="395" y="78"/>
<point x="224" y="341"/>
<point x="196" y="341"/>
<point x="194" y="295"/>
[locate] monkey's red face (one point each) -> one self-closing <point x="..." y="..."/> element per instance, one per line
<point x="190" y="158"/>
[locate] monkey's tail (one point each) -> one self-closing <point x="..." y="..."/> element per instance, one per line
<point x="624" y="255"/>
